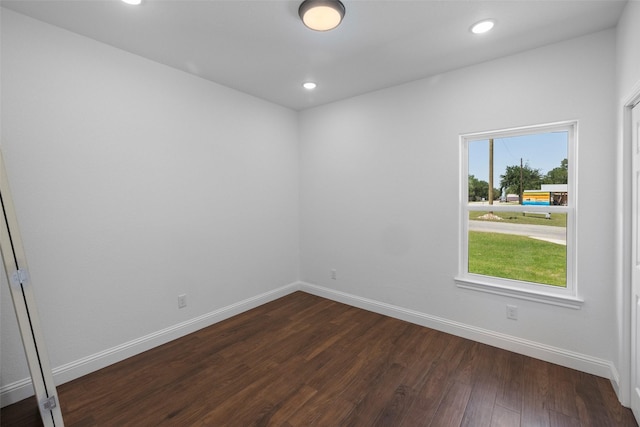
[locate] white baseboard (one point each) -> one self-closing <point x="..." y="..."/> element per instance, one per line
<point x="16" y="391"/>
<point x="21" y="389"/>
<point x="559" y="356"/>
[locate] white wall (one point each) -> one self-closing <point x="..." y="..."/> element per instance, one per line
<point x="628" y="80"/>
<point x="628" y="45"/>
<point x="379" y="193"/>
<point x="133" y="183"/>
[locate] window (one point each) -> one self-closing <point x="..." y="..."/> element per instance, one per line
<point x="517" y="213"/>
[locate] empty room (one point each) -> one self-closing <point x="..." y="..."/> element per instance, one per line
<point x="320" y="212"/>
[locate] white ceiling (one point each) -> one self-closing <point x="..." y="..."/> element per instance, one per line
<point x="262" y="48"/>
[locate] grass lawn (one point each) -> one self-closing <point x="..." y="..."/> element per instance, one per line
<point x="557" y="219"/>
<point x="517" y="257"/>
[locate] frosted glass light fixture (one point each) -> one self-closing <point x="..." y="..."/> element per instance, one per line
<point x="321" y="15"/>
<point x="309" y="85"/>
<point x="133" y="2"/>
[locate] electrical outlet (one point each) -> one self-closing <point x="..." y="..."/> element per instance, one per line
<point x="334" y="274"/>
<point x="182" y="301"/>
<point x="512" y="312"/>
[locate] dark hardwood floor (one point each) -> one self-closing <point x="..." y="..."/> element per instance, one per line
<point x="304" y="360"/>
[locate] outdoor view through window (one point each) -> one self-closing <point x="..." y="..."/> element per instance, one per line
<point x="518" y="198"/>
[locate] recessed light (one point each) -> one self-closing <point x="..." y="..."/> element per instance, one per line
<point x="309" y="85"/>
<point x="482" y="26"/>
<point x="133" y="2"/>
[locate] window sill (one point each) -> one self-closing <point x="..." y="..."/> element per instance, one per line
<point x="542" y="297"/>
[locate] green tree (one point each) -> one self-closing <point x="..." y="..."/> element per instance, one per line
<point x="510" y="181"/>
<point x="559" y="175"/>
<point x="497" y="192"/>
<point x="479" y="190"/>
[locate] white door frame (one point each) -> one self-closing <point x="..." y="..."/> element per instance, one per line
<point x="625" y="304"/>
<point x="15" y="265"/>
<point x="635" y="257"/>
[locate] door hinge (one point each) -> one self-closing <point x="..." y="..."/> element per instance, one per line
<point x="49" y="403"/>
<point x="19" y="277"/>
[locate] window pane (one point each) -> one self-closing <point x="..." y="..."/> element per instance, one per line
<point x="519" y="245"/>
<point x="527" y="169"/>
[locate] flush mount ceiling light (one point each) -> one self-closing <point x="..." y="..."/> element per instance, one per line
<point x="321" y="15"/>
<point x="482" y="26"/>
<point x="133" y="2"/>
<point x="309" y="85"/>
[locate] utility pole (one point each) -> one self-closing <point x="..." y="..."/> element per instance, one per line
<point x="521" y="192"/>
<point x="491" y="172"/>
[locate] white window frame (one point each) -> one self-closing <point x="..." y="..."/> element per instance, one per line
<point x="548" y="294"/>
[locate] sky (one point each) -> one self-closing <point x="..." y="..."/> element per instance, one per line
<point x="541" y="151"/>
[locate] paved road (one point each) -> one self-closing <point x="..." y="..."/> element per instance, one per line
<point x="548" y="233"/>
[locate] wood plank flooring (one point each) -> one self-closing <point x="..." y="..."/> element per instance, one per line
<point x="304" y="360"/>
